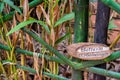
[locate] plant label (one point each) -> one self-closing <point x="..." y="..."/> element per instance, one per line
<point x="89" y="51"/>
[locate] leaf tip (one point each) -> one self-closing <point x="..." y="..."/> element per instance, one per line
<point x="8" y="34"/>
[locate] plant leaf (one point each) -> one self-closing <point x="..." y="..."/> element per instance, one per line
<point x="11" y="4"/>
<point x="7" y="62"/>
<point x="112" y="25"/>
<point x="1" y="7"/>
<point x="23" y="24"/>
<point x="93" y="0"/>
<point x="65" y="18"/>
<point x="62" y="38"/>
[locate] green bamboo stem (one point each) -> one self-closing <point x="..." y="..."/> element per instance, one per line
<point x="29" y="53"/>
<point x="41" y="41"/>
<point x="4" y="47"/>
<point x="31" y="70"/>
<point x="81" y="21"/>
<point x="112" y="4"/>
<point x="77" y="75"/>
<point x="91" y="69"/>
<point x="9" y="16"/>
<point x="44" y="73"/>
<point x="103" y="72"/>
<point x="80" y="29"/>
<point x="55" y="76"/>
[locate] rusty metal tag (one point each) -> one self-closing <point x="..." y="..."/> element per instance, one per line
<point x="89" y="51"/>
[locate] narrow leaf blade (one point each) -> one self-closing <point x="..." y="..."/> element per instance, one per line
<point x="112" y="25"/>
<point x="67" y="35"/>
<point x="11" y="4"/>
<point x="25" y="23"/>
<point x="44" y="25"/>
<point x="1" y="7"/>
<point x="65" y="18"/>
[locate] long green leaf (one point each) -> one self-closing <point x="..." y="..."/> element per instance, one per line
<point x="1" y="6"/>
<point x="65" y="18"/>
<point x="62" y="38"/>
<point x="112" y="25"/>
<point x="11" y="4"/>
<point x="23" y="24"/>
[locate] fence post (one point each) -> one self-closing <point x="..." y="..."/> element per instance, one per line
<point x="101" y="28"/>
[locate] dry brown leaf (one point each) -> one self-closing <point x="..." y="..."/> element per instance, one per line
<point x="56" y="12"/>
<point x="19" y="17"/>
<point x="30" y="11"/>
<point x="39" y="11"/>
<point x="21" y="3"/>
<point x="25" y="9"/>
<point x="7" y="8"/>
<point x="47" y="38"/>
<point x="14" y="21"/>
<point x="36" y="65"/>
<point x="46" y="16"/>
<point x="14" y="35"/>
<point x="28" y="39"/>
<point x="52" y="36"/>
<point x="70" y="5"/>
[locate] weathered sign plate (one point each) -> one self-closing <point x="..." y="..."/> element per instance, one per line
<point x="89" y="51"/>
